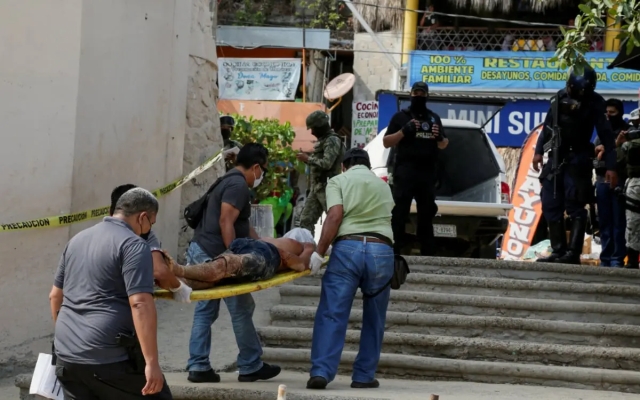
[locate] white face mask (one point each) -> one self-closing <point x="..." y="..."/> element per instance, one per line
<point x="258" y="181"/>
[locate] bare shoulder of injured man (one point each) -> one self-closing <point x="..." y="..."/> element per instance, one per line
<point x="253" y="260"/>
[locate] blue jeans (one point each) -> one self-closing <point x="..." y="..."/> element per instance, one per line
<point x="611" y="216"/>
<point x="241" y="311"/>
<point x="352" y="265"/>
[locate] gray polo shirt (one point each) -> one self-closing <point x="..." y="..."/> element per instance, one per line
<point x="100" y="268"/>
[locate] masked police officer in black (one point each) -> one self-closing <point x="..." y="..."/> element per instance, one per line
<point x="568" y="187"/>
<point x="415" y="135"/>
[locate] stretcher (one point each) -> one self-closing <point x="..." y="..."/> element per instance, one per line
<point x="221" y="292"/>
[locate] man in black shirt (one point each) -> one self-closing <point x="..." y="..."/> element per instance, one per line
<point x="611" y="213"/>
<point x="226" y="218"/>
<point x="415" y="135"/>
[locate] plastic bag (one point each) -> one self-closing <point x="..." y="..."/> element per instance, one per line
<point x="301" y="235"/>
<point x="304" y="236"/>
<point x="539" y="250"/>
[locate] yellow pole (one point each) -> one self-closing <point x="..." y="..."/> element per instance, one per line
<point x="410" y="28"/>
<point x="610" y="41"/>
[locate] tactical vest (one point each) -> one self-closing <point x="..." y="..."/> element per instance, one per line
<point x="569" y="123"/>
<point x="319" y="176"/>
<point x="632" y="159"/>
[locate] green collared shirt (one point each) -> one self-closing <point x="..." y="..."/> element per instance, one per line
<point x="366" y="199"/>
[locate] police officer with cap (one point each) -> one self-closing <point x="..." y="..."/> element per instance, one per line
<point x="415" y="135"/>
<point x="567" y="187"/>
<point x="227" y="123"/>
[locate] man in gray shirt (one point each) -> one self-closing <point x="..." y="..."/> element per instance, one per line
<point x="226" y="218"/>
<point x="103" y="288"/>
<point x="161" y="274"/>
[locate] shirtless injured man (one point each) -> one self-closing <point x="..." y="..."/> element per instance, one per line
<point x="247" y="260"/>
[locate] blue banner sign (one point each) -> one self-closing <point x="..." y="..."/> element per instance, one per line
<point x="510" y="70"/>
<point x="507" y="129"/>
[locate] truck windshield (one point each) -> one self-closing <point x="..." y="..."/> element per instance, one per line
<point x="465" y="163"/>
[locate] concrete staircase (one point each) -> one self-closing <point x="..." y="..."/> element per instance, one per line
<point x="487" y="321"/>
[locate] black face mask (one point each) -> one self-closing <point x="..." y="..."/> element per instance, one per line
<point x="226" y="134"/>
<point x="418" y="104"/>
<point x="616" y="121"/>
<point x="321" y="132"/>
<point x="145" y="236"/>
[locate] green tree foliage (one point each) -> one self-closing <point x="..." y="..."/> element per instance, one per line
<point x="247" y="12"/>
<point x="592" y="18"/>
<point x="323" y="14"/>
<point x="277" y="138"/>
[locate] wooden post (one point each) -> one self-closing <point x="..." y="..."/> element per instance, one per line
<point x="434" y="397"/>
<point x="282" y="392"/>
<point x="304" y="76"/>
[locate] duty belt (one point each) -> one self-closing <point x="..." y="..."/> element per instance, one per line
<point x="364" y="239"/>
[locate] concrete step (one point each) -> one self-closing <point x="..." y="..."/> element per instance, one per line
<point x="390" y="389"/>
<point x="470" y="348"/>
<point x="415" y="367"/>
<point x="460" y="304"/>
<point x="523" y="270"/>
<point x="576" y="291"/>
<point x="502" y="328"/>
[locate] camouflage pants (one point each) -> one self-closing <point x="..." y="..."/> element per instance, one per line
<point x="315" y="205"/>
<point x="632" y="234"/>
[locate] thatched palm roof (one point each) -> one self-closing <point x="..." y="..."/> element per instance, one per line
<point x="389" y="14"/>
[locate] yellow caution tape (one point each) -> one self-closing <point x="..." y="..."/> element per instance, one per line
<point x="237" y="289"/>
<point x="68" y="219"/>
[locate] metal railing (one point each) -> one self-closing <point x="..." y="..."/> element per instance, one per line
<point x="498" y="39"/>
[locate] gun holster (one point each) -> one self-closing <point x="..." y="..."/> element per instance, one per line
<point x="54" y="357"/>
<point x="547" y="172"/>
<point x="134" y="351"/>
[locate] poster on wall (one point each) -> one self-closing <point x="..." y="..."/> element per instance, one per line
<point x="258" y="79"/>
<point x="364" y="122"/>
<point x="510" y="70"/>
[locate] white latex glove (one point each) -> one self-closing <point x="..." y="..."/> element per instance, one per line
<point x="182" y="293"/>
<point x="316" y="263"/>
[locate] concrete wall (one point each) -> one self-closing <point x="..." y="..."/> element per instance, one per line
<point x="202" y="138"/>
<point x="371" y="67"/>
<point x="92" y="95"/>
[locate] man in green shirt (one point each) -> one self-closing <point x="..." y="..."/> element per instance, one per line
<point x="359" y="225"/>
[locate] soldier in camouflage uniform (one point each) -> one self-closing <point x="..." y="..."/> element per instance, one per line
<point x="227" y="123"/>
<point x="630" y="156"/>
<point x="324" y="164"/>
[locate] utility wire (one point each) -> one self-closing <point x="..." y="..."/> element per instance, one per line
<point x="511" y="56"/>
<point x="466" y="16"/>
<point x="423" y="53"/>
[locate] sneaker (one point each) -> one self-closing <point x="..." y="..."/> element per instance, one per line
<point x="203" y="376"/>
<point x="317" y="382"/>
<point x="374" y="384"/>
<point x="266" y="372"/>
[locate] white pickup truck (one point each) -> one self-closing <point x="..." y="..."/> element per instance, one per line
<point x="472" y="192"/>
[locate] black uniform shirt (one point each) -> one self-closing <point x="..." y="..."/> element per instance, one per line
<point x="417" y="154"/>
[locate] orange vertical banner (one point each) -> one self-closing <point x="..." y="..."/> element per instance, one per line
<point x="527" y="208"/>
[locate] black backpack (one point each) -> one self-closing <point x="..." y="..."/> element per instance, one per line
<point x="194" y="212"/>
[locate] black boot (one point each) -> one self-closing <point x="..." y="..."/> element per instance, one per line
<point x="632" y="262"/>
<point x="576" y="242"/>
<point x="558" y="239"/>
